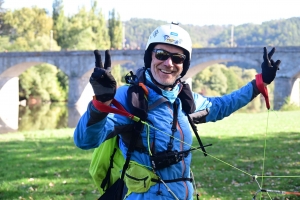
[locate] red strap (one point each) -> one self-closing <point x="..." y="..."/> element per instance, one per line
<point x="263" y="89"/>
<point x="108" y="109"/>
<point x="120" y="109"/>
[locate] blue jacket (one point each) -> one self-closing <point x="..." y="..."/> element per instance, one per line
<point x="89" y="135"/>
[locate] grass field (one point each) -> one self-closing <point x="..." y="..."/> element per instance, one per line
<point x="47" y="165"/>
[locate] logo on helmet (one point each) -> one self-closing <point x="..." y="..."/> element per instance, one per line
<point x="155" y="33"/>
<point x="168" y="39"/>
<point x="175" y="34"/>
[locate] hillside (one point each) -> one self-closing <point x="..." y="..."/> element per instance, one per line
<point x="285" y="32"/>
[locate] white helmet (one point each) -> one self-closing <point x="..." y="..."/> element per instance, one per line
<point x="170" y="34"/>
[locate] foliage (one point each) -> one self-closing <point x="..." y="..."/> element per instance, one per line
<point x="283" y="32"/>
<point x="69" y="30"/>
<point x="217" y="80"/>
<point x="1" y="6"/>
<point x="4" y="41"/>
<point x="63" y="81"/>
<point x="289" y="105"/>
<point x="60" y="22"/>
<point x="98" y="24"/>
<point x="2" y="11"/>
<point x="31" y="29"/>
<point x="137" y="31"/>
<point x="42" y="81"/>
<point x="271" y="33"/>
<point x="214" y="78"/>
<point x="232" y="79"/>
<point x="43" y="116"/>
<point x="119" y="72"/>
<point x="115" y="30"/>
<point x="4" y="28"/>
<point x="86" y="30"/>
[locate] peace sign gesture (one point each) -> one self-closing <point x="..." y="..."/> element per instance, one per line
<point x="269" y="67"/>
<point x="98" y="60"/>
<point x="102" y="81"/>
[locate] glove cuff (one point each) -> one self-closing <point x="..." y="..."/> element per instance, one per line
<point x="104" y="97"/>
<point x="95" y="115"/>
<point x="262" y="88"/>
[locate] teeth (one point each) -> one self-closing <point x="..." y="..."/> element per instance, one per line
<point x="166" y="72"/>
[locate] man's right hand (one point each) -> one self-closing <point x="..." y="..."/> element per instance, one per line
<point x="102" y="81"/>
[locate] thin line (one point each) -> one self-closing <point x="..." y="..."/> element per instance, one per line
<point x="264" y="156"/>
<point x="199" y="150"/>
<point x="278" y="176"/>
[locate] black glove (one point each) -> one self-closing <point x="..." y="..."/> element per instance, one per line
<point x="269" y="67"/>
<point x="102" y="81"/>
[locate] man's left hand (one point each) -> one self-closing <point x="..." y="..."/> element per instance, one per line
<point x="269" y="67"/>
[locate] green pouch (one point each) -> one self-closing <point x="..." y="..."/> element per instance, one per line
<point x="100" y="163"/>
<point x="138" y="178"/>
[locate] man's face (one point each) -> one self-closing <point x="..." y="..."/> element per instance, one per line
<point x="166" y="72"/>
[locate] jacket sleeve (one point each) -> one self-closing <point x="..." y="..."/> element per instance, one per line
<point x="94" y="126"/>
<point x="219" y="107"/>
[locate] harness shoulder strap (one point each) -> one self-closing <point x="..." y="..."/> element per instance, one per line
<point x="188" y="105"/>
<point x="187" y="100"/>
<point x="138" y="105"/>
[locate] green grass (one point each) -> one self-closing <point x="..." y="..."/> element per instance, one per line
<point x="47" y="165"/>
<point x="44" y="165"/>
<point x="239" y="141"/>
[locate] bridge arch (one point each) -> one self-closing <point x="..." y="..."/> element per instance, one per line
<point x="78" y="65"/>
<point x="199" y="64"/>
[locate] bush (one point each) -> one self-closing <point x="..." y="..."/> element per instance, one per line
<point x="289" y="105"/>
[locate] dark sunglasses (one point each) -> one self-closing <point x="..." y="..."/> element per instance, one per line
<point x="176" y="58"/>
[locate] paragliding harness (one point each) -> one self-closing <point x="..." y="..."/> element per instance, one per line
<point x="108" y="161"/>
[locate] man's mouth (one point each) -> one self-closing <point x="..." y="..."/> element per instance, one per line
<point x="165" y="71"/>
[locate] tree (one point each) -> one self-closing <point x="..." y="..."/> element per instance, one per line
<point x="2" y="11"/>
<point x="31" y="29"/>
<point x="43" y="116"/>
<point x="232" y="79"/>
<point x="115" y="30"/>
<point x="4" y="29"/>
<point x="119" y="73"/>
<point x="60" y="23"/>
<point x="99" y="27"/>
<point x="42" y="81"/>
<point x="87" y="30"/>
<point x="218" y="81"/>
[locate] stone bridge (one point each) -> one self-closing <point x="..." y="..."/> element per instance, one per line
<point x="78" y="65"/>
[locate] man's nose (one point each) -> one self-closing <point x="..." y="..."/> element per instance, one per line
<point x="168" y="62"/>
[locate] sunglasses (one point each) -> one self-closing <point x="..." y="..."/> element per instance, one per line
<point x="176" y="58"/>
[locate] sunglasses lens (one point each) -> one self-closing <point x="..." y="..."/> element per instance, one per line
<point x="164" y="55"/>
<point x="161" y="55"/>
<point x="178" y="59"/>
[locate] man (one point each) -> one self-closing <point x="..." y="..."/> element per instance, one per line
<point x="167" y="59"/>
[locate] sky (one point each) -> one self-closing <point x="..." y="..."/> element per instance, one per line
<point x="196" y="12"/>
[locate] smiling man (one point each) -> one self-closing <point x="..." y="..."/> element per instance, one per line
<point x="166" y="65"/>
<point x="158" y="154"/>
